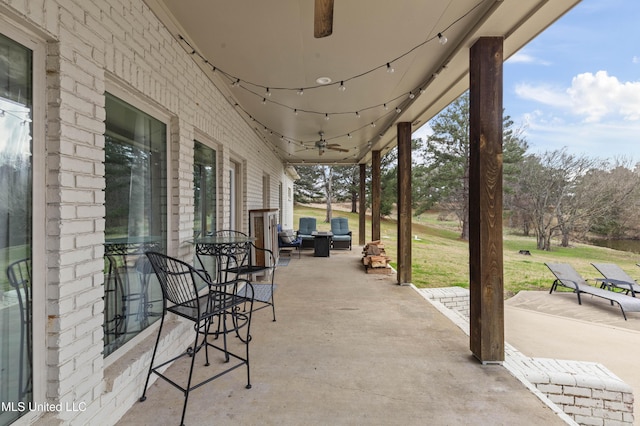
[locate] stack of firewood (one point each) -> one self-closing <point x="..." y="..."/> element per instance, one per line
<point x="374" y="258"/>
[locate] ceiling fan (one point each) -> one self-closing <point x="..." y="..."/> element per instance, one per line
<point x="322" y="146"/>
<point x="323" y="18"/>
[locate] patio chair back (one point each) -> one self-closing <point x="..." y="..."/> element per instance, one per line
<point x="307" y="225"/>
<point x="340" y="226"/>
<point x="19" y="276"/>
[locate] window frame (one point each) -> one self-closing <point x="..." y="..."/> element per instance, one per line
<point x="139" y="101"/>
<point x="37" y="45"/>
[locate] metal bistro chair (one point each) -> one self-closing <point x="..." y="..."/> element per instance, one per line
<point x="235" y="260"/>
<point x="19" y="275"/>
<point x="190" y="294"/>
<point x="115" y="305"/>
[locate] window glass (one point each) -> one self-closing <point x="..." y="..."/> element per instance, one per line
<point x="136" y="219"/>
<point x="16" y="176"/>
<point x="204" y="187"/>
<point x="204" y="184"/>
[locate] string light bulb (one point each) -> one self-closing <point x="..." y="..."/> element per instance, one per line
<point x="326" y="117"/>
<point x="342" y="87"/>
<point x="267" y="93"/>
<point x="236" y="83"/>
<point x="411" y="95"/>
<point x="390" y="69"/>
<point x="442" y="39"/>
<point x="300" y="92"/>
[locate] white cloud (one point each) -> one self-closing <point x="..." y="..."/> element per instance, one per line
<point x="525" y="58"/>
<point x="592" y="96"/>
<point x="546" y="132"/>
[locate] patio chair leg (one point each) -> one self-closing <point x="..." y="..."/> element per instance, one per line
<point x="153" y="357"/>
<point x="187" y="389"/>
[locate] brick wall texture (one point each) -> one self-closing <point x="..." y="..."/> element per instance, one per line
<point x="93" y="46"/>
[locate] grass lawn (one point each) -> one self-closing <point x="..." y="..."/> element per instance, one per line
<point x="441" y="259"/>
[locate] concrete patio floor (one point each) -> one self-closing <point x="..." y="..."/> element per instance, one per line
<point x="350" y="348"/>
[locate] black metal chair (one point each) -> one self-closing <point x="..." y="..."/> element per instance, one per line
<point x="115" y="305"/>
<point x="19" y="276"/>
<point x="214" y="308"/>
<point x="235" y="260"/>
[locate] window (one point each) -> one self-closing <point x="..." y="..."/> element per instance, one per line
<point x="204" y="185"/>
<point x="136" y="219"/>
<point x="16" y="213"/>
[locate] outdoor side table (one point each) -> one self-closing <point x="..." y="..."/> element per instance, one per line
<point x="321" y="243"/>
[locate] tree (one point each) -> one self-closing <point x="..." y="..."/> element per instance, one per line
<point x="346" y="185"/>
<point x="614" y="192"/>
<point x="444" y="176"/>
<point x="557" y="193"/>
<point x="306" y="189"/>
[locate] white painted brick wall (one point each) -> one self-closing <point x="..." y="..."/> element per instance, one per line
<point x="88" y="43"/>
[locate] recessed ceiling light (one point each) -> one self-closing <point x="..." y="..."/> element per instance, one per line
<point x="323" y="80"/>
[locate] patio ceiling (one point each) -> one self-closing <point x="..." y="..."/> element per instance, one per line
<point x="270" y="45"/>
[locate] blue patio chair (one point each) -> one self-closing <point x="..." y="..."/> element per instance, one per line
<point x="306" y="228"/>
<point x="288" y="239"/>
<point x="341" y="233"/>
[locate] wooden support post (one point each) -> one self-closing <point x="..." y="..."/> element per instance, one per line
<point x="376" y="195"/>
<point x="362" y="209"/>
<point x="404" y="203"/>
<point x="486" y="320"/>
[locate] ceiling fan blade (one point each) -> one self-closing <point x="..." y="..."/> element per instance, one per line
<point x="323" y="18"/>
<point x="338" y="149"/>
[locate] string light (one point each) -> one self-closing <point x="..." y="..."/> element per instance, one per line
<point x="442" y="39"/>
<point x="237" y="82"/>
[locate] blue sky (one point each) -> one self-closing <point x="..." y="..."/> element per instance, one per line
<point x="577" y="85"/>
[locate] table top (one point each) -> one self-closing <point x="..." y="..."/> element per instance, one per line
<point x="322" y="234"/>
<point x="222" y="240"/>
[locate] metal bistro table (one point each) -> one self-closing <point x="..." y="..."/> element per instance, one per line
<point x="227" y="251"/>
<point x="321" y="243"/>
